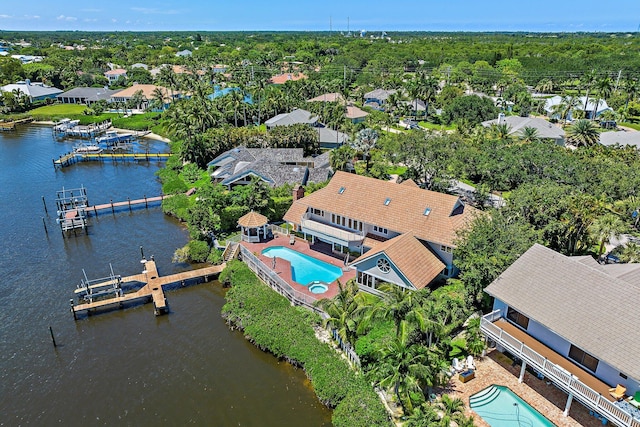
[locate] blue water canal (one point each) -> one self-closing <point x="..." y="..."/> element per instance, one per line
<point x="124" y="367"/>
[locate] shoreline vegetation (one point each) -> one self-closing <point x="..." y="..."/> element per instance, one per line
<point x="270" y="322"/>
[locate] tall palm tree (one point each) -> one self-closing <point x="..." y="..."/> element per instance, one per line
<point x="583" y="133"/>
<point x="545" y="86"/>
<point x="587" y="80"/>
<point x="604" y="88"/>
<point x="424" y="415"/>
<point x="341" y="158"/>
<point x="568" y="104"/>
<point x="451" y="408"/>
<point x="364" y="142"/>
<point x="501" y="131"/>
<point x="606" y="227"/>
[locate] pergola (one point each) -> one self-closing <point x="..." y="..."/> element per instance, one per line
<point x="253" y="225"/>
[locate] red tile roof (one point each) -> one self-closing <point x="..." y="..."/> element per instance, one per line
<point x="281" y="79"/>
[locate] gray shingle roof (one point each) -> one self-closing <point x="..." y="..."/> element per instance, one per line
<point x="90" y="93"/>
<point x="381" y="94"/>
<point x="586" y="306"/>
<point x="297" y="116"/>
<point x="545" y="129"/>
<point x="330" y="136"/>
<point x="620" y="137"/>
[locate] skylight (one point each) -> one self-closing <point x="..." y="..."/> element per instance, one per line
<point x="341" y="190"/>
<point x="387" y="201"/>
<point x="427" y="211"/>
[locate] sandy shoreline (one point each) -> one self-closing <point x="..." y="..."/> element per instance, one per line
<point x="150" y="135"/>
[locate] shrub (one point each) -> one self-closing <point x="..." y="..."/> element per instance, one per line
<point x="230" y="215"/>
<point x="278" y="206"/>
<point x="215" y="257"/>
<point x="198" y="250"/>
<point x="191" y="173"/>
<point x="174" y="185"/>
<point x="177" y="206"/>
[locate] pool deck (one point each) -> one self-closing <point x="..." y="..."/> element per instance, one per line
<point x="496" y="368"/>
<point x="283" y="267"/>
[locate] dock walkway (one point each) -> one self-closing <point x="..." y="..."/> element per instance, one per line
<point x="74" y="157"/>
<point x="151" y="291"/>
<point x="127" y="203"/>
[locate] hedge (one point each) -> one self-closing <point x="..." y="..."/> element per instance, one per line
<point x="272" y="324"/>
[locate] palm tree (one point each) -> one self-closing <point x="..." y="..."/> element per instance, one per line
<point x="398" y="304"/>
<point x="545" y="86"/>
<point x="583" y="133"/>
<point x="529" y="134"/>
<point x="343" y="310"/>
<point x="424" y="415"/>
<point x="501" y="131"/>
<point x="568" y="104"/>
<point x="451" y="408"/>
<point x="341" y="158"/>
<point x="158" y="97"/>
<point x="364" y="142"/>
<point x="632" y="88"/>
<point x="588" y="79"/>
<point x="630" y="253"/>
<point x="605" y="227"/>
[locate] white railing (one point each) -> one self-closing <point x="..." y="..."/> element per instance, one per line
<point x="328" y="230"/>
<point x="278" y="284"/>
<point x="560" y="376"/>
<point x="277" y="229"/>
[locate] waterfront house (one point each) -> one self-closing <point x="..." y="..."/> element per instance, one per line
<point x="85" y="95"/>
<point x="405" y="235"/>
<point x="148" y="93"/>
<point x="115" y="74"/>
<point x="574" y="322"/>
<point x="275" y="166"/>
<point x="36" y="91"/>
<point x="546" y="130"/>
<point x="297" y="116"/>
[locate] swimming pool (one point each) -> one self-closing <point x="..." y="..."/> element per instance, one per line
<point x="500" y="407"/>
<point x="304" y="269"/>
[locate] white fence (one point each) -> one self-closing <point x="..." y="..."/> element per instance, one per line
<point x="560" y="376"/>
<point x="296" y="297"/>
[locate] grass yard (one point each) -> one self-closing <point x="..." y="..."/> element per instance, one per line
<point x="433" y="126"/>
<point x="635" y="126"/>
<point x="396" y="170"/>
<point x="57" y="111"/>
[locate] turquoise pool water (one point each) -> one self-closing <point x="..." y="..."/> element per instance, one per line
<point x="500" y="407"/>
<point x="304" y="269"/>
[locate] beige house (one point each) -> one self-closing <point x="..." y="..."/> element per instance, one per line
<point x="148" y="93"/>
<point x="405" y="235"/>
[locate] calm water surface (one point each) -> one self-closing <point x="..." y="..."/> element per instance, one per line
<point x="124" y="367"/>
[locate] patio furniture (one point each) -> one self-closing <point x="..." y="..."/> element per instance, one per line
<point x="470" y="364"/>
<point x="292" y="239"/>
<point x="457" y="365"/>
<point x="618" y="392"/>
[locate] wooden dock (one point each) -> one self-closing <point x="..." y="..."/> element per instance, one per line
<point x="151" y="291"/>
<point x="95" y="209"/>
<point x="12" y="125"/>
<point x="73" y="157"/>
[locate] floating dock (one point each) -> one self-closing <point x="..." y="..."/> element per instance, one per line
<point x="106" y="294"/>
<point x="73" y="157"/>
<point x="12" y="125"/>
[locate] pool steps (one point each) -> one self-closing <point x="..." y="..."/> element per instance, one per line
<point x="485" y="397"/>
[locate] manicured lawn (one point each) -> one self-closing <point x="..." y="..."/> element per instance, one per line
<point x="396" y="170"/>
<point x="429" y="125"/>
<point x="56" y="111"/>
<point x="635" y="126"/>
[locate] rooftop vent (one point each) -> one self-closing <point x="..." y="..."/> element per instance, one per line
<point x="387" y="201"/>
<point x="341" y="190"/>
<point x="427" y="211"/>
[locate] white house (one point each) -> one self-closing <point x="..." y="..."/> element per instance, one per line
<point x="594" y="107"/>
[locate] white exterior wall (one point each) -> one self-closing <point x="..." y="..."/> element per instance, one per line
<point x="394" y="276"/>
<point x="604" y="372"/>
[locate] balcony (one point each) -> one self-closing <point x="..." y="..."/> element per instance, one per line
<point x="330" y="232"/>
<point x="567" y="376"/>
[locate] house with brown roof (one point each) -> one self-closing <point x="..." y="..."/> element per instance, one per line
<point x="281" y="79"/>
<point x="574" y="322"/>
<point x="405" y="235"/>
<point x="148" y="93"/>
<point x="115" y="74"/>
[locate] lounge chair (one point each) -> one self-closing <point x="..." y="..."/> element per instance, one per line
<point x="457" y="365"/>
<point x="470" y="364"/>
<point x="292" y="239"/>
<point x="635" y="399"/>
<point x="618" y="392"/>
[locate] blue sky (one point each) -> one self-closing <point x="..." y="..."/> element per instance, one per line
<point x="372" y="15"/>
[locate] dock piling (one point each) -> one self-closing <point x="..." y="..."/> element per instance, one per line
<point x="45" y="226"/>
<point x="112" y="211"/>
<point x="129" y="202"/>
<point x="72" y="310"/>
<point x="53" y="339"/>
<point x="45" y="205"/>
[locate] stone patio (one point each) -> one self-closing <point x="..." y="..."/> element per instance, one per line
<point x="496" y="368"/>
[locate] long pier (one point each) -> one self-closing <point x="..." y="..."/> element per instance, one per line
<point x="152" y="290"/>
<point x="95" y="209"/>
<point x="74" y="157"/>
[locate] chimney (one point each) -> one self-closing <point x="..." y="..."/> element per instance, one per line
<point x="298" y="192"/>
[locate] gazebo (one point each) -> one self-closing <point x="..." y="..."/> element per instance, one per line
<point x="253" y="225"/>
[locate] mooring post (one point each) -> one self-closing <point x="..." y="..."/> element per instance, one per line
<point x="53" y="339"/>
<point x="145" y="202"/>
<point x="45" y="226"/>
<point x="111" y="200"/>
<point x="45" y="205"/>
<point x="72" y="310"/>
<point x="141" y="252"/>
